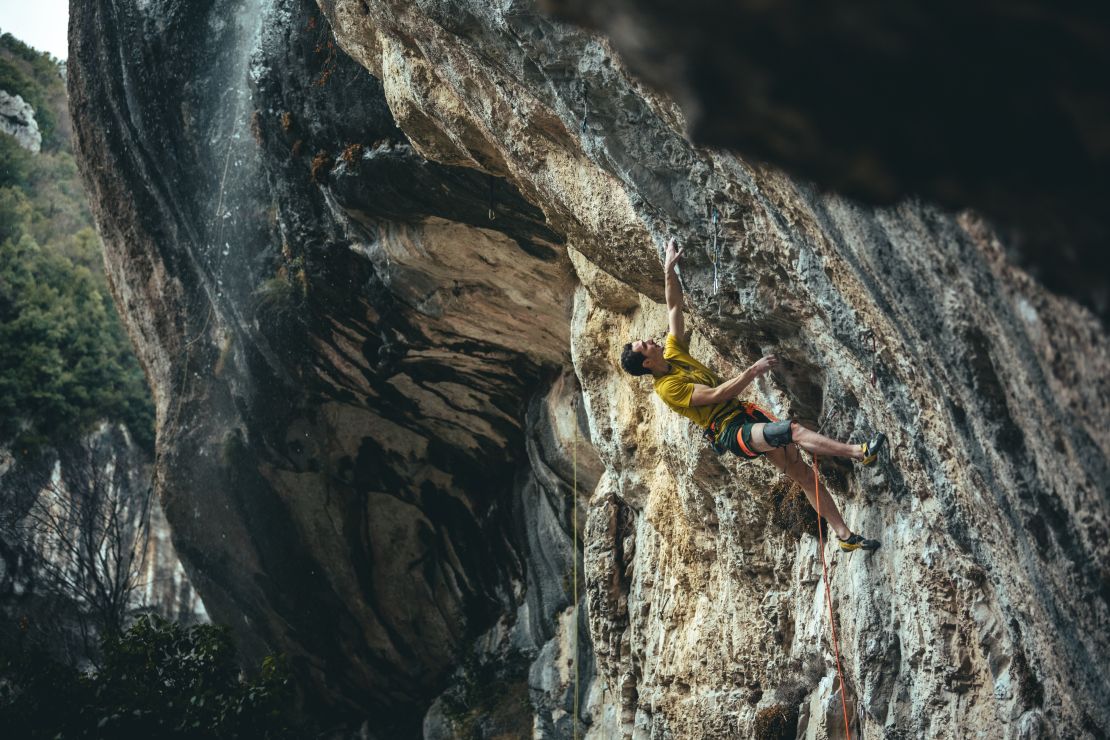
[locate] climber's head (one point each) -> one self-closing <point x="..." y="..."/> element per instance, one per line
<point x="642" y="357"/>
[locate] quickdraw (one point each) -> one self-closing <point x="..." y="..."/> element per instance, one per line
<point x="713" y="429"/>
<point x="870" y="336"/>
<point x="715" y="253"/>
<point x="582" y="95"/>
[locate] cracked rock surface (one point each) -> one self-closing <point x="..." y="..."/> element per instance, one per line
<point x="996" y="106"/>
<point x="17" y="119"/>
<point x="380" y="282"/>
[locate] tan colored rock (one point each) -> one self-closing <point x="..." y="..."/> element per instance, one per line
<point x="340" y="341"/>
<point x="984" y="612"/>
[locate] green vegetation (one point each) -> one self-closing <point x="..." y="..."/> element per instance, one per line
<point x="278" y="299"/>
<point x="158" y="679"/>
<point x="35" y="77"/>
<point x="490" y="697"/>
<point x="65" y="361"/>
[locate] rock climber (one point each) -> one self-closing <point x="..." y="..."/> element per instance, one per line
<point x="743" y="429"/>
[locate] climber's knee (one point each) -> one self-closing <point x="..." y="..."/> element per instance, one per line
<point x="779" y="458"/>
<point x="778" y="433"/>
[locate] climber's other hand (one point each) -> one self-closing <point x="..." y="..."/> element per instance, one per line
<point x="763" y="365"/>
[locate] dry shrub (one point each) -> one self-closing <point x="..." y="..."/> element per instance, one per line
<point x="776" y="722"/>
<point x="352" y="154"/>
<point x="321" y="165"/>
<point x="791" y="512"/>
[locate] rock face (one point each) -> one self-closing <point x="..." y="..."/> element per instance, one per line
<point x="165" y="587"/>
<point x="107" y="465"/>
<point x="359" y="273"/>
<point x="999" y="107"/>
<point x="343" y="339"/>
<point x="17" y="119"/>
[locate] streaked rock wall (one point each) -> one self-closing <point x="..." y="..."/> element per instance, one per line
<point x="358" y="284"/>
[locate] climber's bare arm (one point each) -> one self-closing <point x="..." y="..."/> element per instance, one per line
<point x="673" y="291"/>
<point x="703" y="395"/>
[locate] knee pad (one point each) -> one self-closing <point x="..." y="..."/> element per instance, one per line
<point x="778" y="434"/>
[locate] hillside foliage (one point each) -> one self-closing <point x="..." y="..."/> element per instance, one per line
<point x="156" y="680"/>
<point x="65" y="360"/>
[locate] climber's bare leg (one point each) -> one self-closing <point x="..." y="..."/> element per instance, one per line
<point x="789" y="461"/>
<point x="812" y="442"/>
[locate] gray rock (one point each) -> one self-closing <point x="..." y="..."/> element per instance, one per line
<point x="350" y="348"/>
<point x="17" y="119"/>
<point x="884" y="103"/>
<point x="107" y="463"/>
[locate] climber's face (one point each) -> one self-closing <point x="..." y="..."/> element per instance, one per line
<point x="652" y="352"/>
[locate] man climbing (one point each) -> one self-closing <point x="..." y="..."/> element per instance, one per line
<point x="743" y="429"/>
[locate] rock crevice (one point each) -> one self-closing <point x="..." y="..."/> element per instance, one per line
<point x="426" y="222"/>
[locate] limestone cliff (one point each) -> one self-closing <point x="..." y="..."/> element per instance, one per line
<point x="379" y="279"/>
<point x="997" y="106"/>
<point x="86" y="482"/>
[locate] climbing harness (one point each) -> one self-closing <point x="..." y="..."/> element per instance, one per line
<point x="736" y="435"/>
<point x="828" y="597"/>
<point x="714" y="428"/>
<point x="715" y="253"/>
<point x="492" y="213"/>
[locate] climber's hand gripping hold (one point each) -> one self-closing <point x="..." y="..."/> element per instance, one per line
<point x="673" y="289"/>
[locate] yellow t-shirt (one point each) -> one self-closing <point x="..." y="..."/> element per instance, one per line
<point x="677" y="387"/>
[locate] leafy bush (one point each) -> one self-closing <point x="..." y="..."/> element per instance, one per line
<point x="15" y="208"/>
<point x="490" y="697"/>
<point x="15" y="163"/>
<point x="158" y="679"/>
<point x="65" y="362"/>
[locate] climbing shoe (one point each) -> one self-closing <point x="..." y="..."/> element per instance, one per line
<point x="858" y="542"/>
<point x="871" y="448"/>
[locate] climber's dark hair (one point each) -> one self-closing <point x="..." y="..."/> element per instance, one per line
<point x="633" y="361"/>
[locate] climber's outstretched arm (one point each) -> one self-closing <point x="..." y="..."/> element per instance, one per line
<point x="703" y="395"/>
<point x="673" y="291"/>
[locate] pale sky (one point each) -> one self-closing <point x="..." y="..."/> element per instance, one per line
<point x="38" y="23"/>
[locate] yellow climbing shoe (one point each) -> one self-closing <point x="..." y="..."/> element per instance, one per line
<point x="858" y="542"/>
<point x="871" y="448"/>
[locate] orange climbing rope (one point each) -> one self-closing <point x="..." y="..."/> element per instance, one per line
<point x="828" y="597"/>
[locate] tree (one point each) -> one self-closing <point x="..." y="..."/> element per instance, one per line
<point x="86" y="534"/>
<point x="65" y="362"/>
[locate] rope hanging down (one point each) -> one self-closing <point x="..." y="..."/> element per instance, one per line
<point x="828" y="597"/>
<point x="574" y="556"/>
